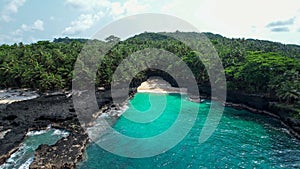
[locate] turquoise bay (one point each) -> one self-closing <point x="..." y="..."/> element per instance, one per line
<point x="241" y="140"/>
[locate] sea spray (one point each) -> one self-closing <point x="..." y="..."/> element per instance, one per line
<point x="24" y="156"/>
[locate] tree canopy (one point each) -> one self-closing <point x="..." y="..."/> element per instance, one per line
<point x="251" y="66"/>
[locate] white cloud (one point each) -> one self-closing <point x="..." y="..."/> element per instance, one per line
<point x="129" y="7"/>
<point x="84" y="22"/>
<point x="18" y="35"/>
<point x="117" y="9"/>
<point x="133" y="7"/>
<point x="196" y="12"/>
<point x="38" y="25"/>
<point x="235" y="18"/>
<point x="11" y="8"/>
<point x="94" y="10"/>
<point x="88" y="5"/>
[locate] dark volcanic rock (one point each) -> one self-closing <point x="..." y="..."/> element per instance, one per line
<point x="57" y="110"/>
<point x="64" y="154"/>
<point x="260" y="104"/>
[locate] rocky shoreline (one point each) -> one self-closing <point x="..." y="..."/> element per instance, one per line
<point x="57" y="110"/>
<point x="262" y="105"/>
<point x="289" y="123"/>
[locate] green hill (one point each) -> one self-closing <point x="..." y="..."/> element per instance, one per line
<point x="252" y="66"/>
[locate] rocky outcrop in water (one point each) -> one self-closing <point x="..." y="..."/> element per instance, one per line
<point x="18" y="118"/>
<point x="64" y="154"/>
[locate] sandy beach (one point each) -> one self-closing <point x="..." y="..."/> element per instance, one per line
<point x="158" y="85"/>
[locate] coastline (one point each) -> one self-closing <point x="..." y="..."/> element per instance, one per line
<point x="66" y="119"/>
<point x="285" y="123"/>
<point x="57" y="110"/>
<point x="261" y="105"/>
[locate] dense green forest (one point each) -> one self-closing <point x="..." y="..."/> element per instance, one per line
<point x="251" y="66"/>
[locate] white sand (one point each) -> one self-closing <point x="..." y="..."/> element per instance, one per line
<point x="158" y="85"/>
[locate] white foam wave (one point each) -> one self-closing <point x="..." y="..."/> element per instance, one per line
<point x="34" y="133"/>
<point x="15" y="158"/>
<point x="60" y="132"/>
<point x="27" y="163"/>
<point x="119" y="111"/>
<point x="24" y="153"/>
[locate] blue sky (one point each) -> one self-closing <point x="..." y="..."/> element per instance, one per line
<point x="32" y="20"/>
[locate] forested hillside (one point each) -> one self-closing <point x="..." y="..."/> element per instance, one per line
<point x="251" y="66"/>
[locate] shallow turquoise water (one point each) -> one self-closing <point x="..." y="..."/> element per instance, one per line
<point x="241" y="140"/>
<point x="23" y="157"/>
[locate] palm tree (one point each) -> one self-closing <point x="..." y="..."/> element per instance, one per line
<point x="288" y="93"/>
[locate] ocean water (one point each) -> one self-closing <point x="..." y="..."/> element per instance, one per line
<point x="241" y="140"/>
<point x="24" y="156"/>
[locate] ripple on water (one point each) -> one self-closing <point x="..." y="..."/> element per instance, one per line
<point x="242" y="140"/>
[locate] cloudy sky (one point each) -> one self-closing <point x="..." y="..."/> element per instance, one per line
<point x="32" y="20"/>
